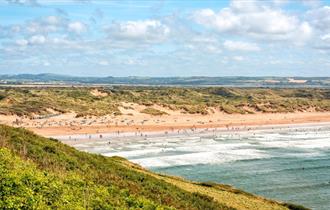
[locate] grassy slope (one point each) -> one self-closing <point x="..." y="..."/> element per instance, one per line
<point x="24" y="101"/>
<point x="41" y="173"/>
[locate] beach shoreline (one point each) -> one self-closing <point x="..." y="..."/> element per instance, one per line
<point x="129" y="137"/>
<point x="67" y="124"/>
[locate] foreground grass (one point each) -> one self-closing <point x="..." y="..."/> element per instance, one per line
<point x="41" y="173"/>
<point x="28" y="101"/>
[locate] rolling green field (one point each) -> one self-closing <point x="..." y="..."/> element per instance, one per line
<point x="41" y="173"/>
<point x="81" y="100"/>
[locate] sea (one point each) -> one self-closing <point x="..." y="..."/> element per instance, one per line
<point x="286" y="163"/>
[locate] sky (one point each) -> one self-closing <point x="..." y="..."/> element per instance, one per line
<point x="165" y="37"/>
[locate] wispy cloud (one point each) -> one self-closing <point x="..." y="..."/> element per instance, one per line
<point x="240" y="46"/>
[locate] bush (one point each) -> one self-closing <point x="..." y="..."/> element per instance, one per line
<point x="153" y="111"/>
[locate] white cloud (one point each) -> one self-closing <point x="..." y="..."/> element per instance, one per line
<point x="37" y="39"/>
<point x="245" y="6"/>
<point x="320" y="18"/>
<point x="53" y="20"/>
<point x="23" y="2"/>
<point x="169" y="42"/>
<point x="43" y="25"/>
<point x="325" y="37"/>
<point x="33" y="27"/>
<point x="240" y="46"/>
<point x="22" y="42"/>
<point x="270" y="22"/>
<point x="260" y="21"/>
<point x="205" y="44"/>
<point x="133" y="62"/>
<point x="15" y="29"/>
<point x="77" y="27"/>
<point x="311" y="3"/>
<point x="225" y="20"/>
<point x="103" y="63"/>
<point x="238" y="58"/>
<point x="280" y="2"/>
<point x="60" y="40"/>
<point x="147" y="30"/>
<point x="303" y="33"/>
<point x="212" y="49"/>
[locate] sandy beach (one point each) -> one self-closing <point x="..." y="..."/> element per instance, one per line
<point x="133" y="121"/>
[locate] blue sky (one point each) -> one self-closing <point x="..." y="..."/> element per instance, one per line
<point x="165" y="37"/>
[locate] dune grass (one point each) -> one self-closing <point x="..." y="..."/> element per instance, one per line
<point x="81" y="100"/>
<point x="153" y="111"/>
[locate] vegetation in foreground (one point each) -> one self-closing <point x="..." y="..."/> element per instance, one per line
<point x="41" y="173"/>
<point x="85" y="102"/>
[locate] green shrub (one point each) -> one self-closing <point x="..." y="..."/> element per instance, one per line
<point x="153" y="111"/>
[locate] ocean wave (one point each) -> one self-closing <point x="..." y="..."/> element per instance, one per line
<point x="209" y="157"/>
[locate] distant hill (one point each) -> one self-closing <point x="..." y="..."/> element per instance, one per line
<point x="41" y="173"/>
<point x="184" y="81"/>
